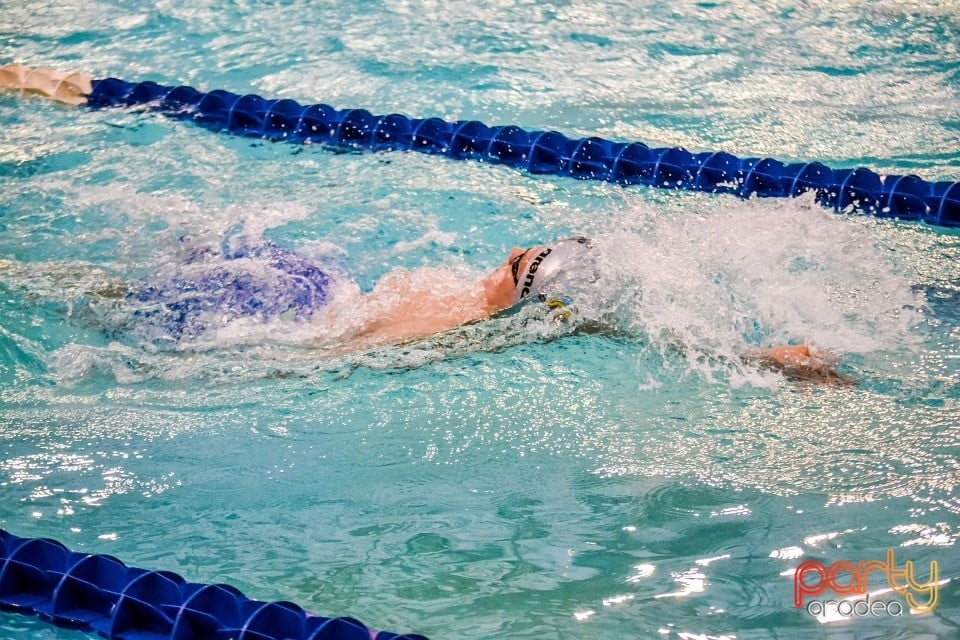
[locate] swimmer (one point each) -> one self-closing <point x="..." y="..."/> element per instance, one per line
<point x="214" y="286"/>
<point x="403" y="305"/>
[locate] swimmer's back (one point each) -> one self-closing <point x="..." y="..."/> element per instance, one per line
<point x="262" y="282"/>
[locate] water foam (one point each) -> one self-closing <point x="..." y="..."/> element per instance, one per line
<point x="715" y="284"/>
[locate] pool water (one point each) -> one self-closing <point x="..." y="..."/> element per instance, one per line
<point x="516" y="478"/>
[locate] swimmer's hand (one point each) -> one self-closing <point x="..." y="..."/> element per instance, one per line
<point x="68" y="88"/>
<point x="799" y="363"/>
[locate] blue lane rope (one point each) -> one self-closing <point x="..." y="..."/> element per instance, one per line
<point x="546" y="152"/>
<point x="101" y="594"/>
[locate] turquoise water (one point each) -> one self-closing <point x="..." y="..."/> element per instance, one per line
<point x="516" y="478"/>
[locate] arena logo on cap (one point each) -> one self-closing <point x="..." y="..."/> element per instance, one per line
<point x="849" y="580"/>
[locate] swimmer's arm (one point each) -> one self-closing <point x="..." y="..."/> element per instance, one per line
<point x="419" y="314"/>
<point x="406" y="306"/>
<point x="800" y="363"/>
<point x="68" y="88"/>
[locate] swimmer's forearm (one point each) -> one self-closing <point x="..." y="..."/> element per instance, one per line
<point x="68" y="88"/>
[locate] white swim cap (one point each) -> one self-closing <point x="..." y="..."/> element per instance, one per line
<point x="565" y="261"/>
